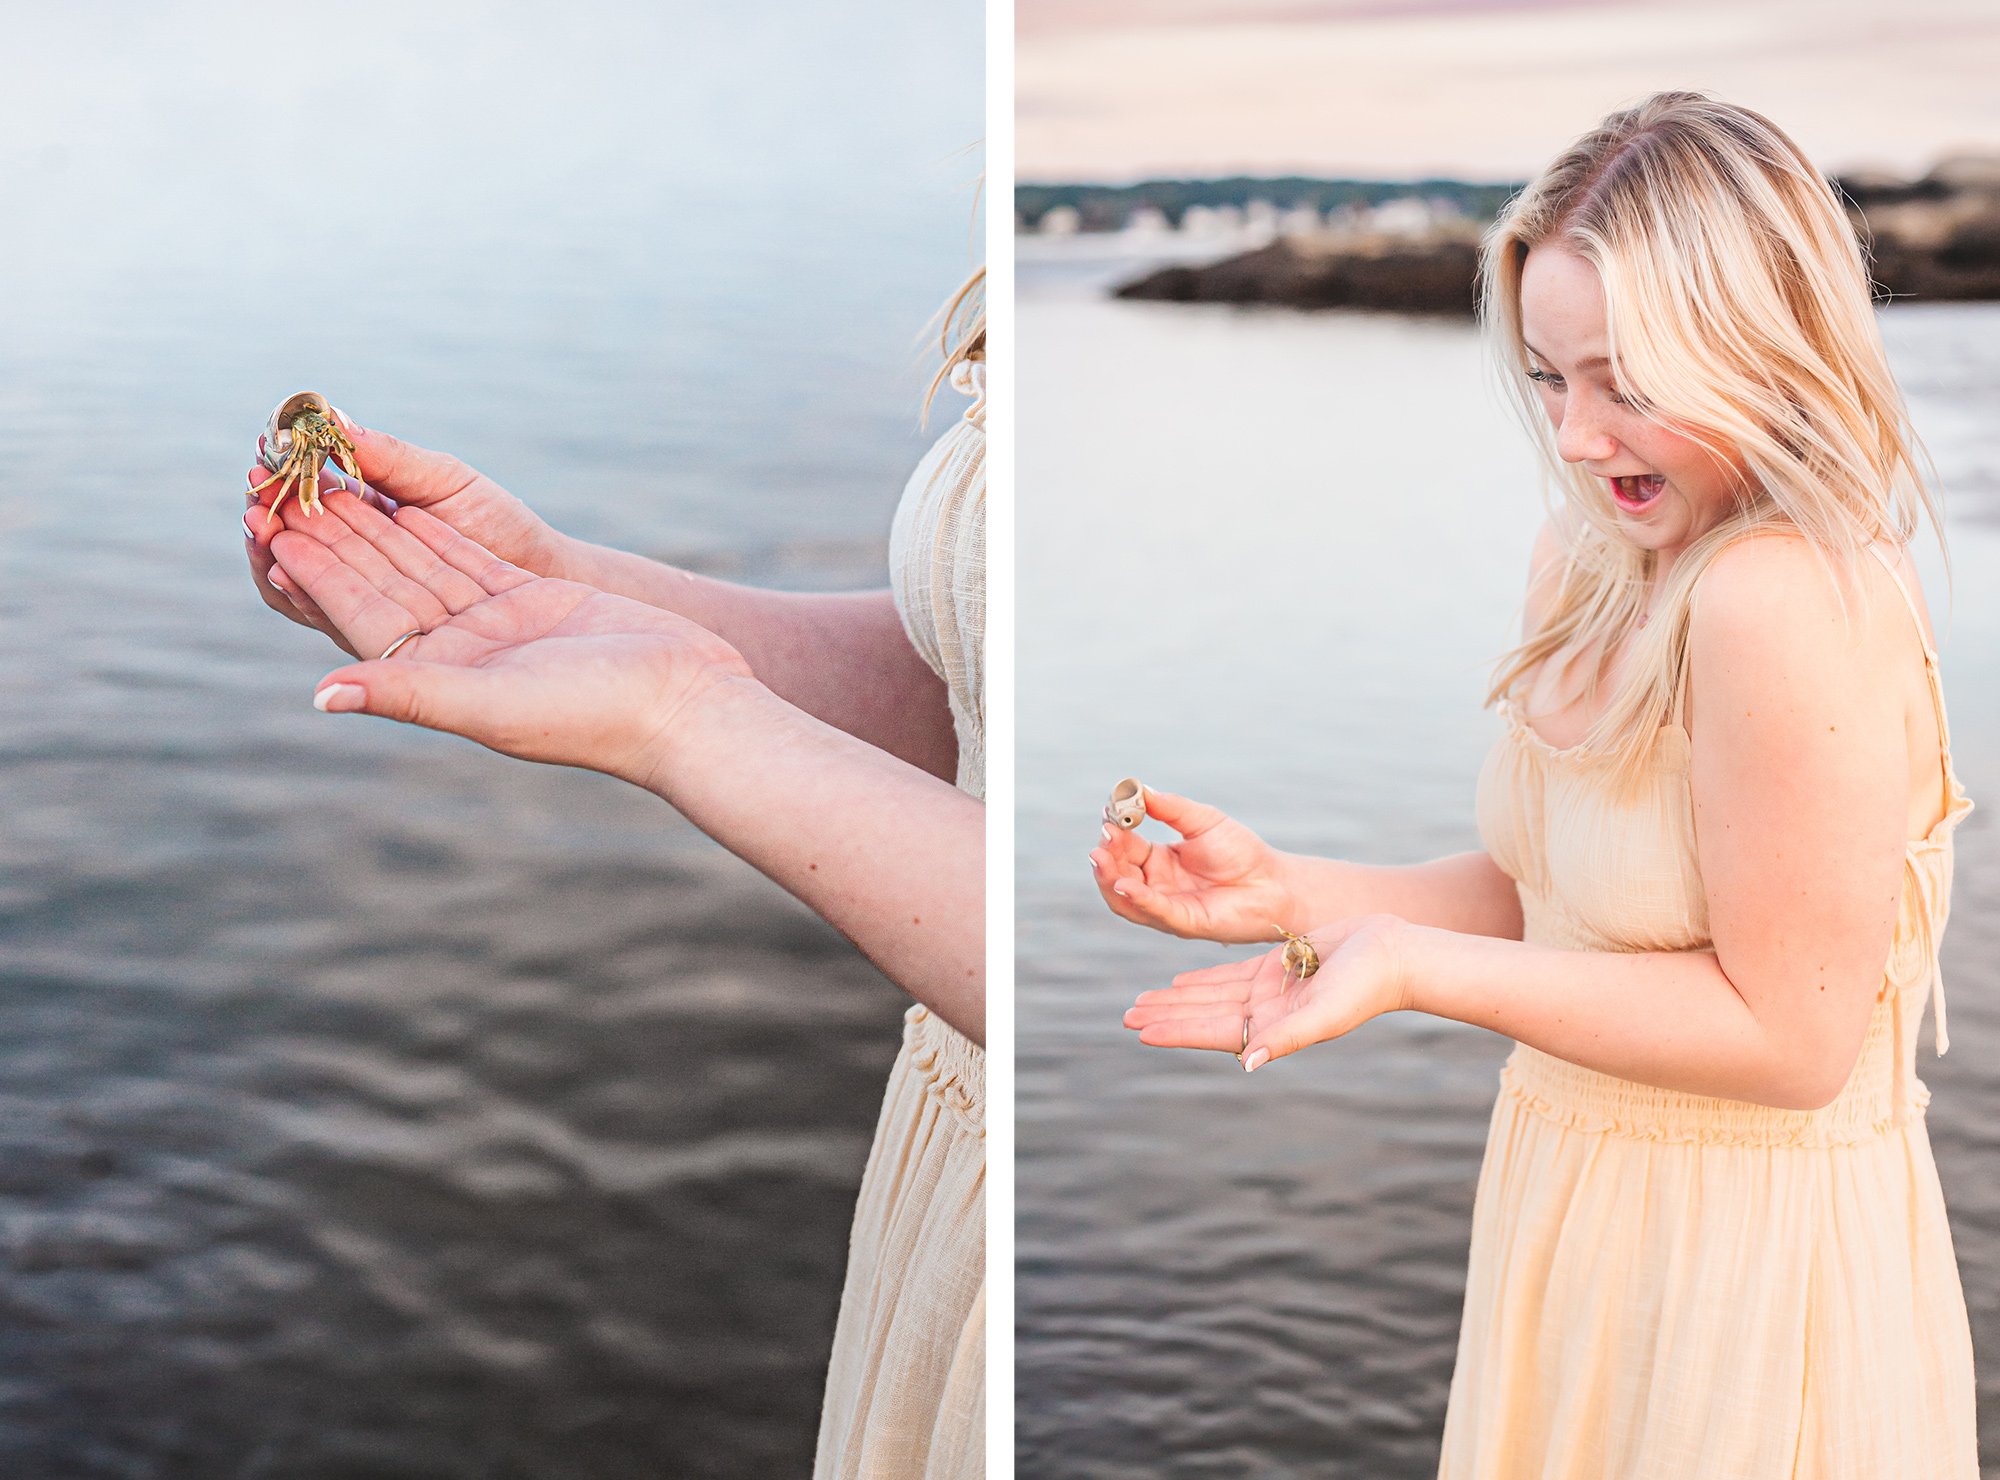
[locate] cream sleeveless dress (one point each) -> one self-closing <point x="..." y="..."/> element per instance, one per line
<point x="1668" y="1286"/>
<point x="906" y="1387"/>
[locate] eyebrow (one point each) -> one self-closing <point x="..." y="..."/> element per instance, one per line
<point x="1591" y="363"/>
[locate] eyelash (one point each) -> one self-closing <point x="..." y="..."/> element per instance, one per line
<point x="1543" y="377"/>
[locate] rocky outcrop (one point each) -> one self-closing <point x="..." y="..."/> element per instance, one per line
<point x="1934" y="239"/>
<point x="1323" y="272"/>
<point x="1937" y="238"/>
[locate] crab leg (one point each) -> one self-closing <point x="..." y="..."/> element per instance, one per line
<point x="289" y="473"/>
<point x="315" y="464"/>
<point x="346" y="460"/>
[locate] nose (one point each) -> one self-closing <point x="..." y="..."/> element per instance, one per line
<point x="1580" y="436"/>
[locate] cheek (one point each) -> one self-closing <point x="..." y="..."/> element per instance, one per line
<point x="1682" y="459"/>
<point x="1715" y="476"/>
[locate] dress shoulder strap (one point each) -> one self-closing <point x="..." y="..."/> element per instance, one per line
<point x="1930" y="657"/>
<point x="1916" y="613"/>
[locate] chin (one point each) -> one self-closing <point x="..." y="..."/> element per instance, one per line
<point x="1659" y="529"/>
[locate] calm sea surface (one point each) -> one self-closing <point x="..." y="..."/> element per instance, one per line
<point x="371" y="1105"/>
<point x="1267" y="560"/>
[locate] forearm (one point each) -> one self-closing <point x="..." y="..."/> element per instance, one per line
<point x="1465" y="892"/>
<point x="1671" y="1019"/>
<point x="842" y="657"/>
<point x="892" y="857"/>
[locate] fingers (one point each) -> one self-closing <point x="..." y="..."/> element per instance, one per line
<point x="1189" y="819"/>
<point x="407" y="473"/>
<point x="1125" y="844"/>
<point x="1245" y="970"/>
<point x="1199" y="994"/>
<point x="1145" y="1017"/>
<point x="438" y="696"/>
<point x="1223" y="1031"/>
<point x="493" y="574"/>
<point x="371" y="496"/>
<point x="366" y="617"/>
<point x="274" y="587"/>
<point x="1307" y="1015"/>
<point x="331" y="528"/>
<point x="1130" y="897"/>
<point x="405" y="553"/>
<point x="357" y="530"/>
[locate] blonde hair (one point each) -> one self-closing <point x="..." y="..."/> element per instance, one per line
<point x="1739" y="311"/>
<point x="961" y="326"/>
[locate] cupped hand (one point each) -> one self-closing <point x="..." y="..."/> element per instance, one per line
<point x="1219" y="882"/>
<point x="544" y="669"/>
<point x="400" y="473"/>
<point x="1361" y="976"/>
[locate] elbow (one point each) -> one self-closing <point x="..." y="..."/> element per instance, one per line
<point x="1808" y="1098"/>
<point x="1816" y="1081"/>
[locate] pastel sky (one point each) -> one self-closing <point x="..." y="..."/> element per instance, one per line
<point x="1116" y="90"/>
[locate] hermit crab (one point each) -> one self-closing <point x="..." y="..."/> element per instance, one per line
<point x="302" y="436"/>
<point x="1300" y="960"/>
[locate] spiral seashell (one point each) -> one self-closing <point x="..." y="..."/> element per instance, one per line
<point x="278" y="430"/>
<point x="1128" y="803"/>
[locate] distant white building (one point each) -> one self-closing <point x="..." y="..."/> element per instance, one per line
<point x="1406" y="217"/>
<point x="1300" y="220"/>
<point x="1061" y="221"/>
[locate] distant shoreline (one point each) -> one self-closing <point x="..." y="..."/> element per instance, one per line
<point x="1412" y="246"/>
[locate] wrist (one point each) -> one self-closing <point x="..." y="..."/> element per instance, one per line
<point x="1285" y="872"/>
<point x="564" y="558"/>
<point x="1417" y="950"/>
<point x="725" y="701"/>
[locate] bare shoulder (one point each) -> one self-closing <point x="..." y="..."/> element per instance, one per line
<point x="1771" y="618"/>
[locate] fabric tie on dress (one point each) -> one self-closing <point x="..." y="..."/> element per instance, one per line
<point x="968" y="378"/>
<point x="1933" y="888"/>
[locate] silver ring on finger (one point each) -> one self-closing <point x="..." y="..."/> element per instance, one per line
<point x="391" y="650"/>
<point x="1246" y="1038"/>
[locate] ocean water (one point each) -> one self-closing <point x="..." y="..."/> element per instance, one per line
<point x="1269" y="558"/>
<point x="371" y="1105"/>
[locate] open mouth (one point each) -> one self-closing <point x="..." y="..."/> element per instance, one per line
<point x="1638" y="490"/>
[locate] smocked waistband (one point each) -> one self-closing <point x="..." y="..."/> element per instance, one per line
<point x="1586" y="1100"/>
<point x="952" y="1066"/>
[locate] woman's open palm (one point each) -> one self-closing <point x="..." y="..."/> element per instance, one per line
<point x="543" y="669"/>
<point x="401" y="473"/>
<point x="1266" y="1012"/>
<point x="1219" y="882"/>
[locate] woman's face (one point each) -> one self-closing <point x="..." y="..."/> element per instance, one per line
<point x="1667" y="488"/>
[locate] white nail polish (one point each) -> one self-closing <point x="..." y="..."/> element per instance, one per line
<point x="339" y="698"/>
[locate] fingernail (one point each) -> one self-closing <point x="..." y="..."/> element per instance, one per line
<point x="1117" y="891"/>
<point x="339" y="698"/>
<point x="251" y="522"/>
<point x="1105" y="832"/>
<point x="1259" y="1057"/>
<point x="347" y="423"/>
<point x="282" y="581"/>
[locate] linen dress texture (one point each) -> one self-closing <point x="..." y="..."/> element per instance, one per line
<point x="1666" y="1285"/>
<point x="906" y="1386"/>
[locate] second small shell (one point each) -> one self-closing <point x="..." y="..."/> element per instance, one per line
<point x="1128" y="803"/>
